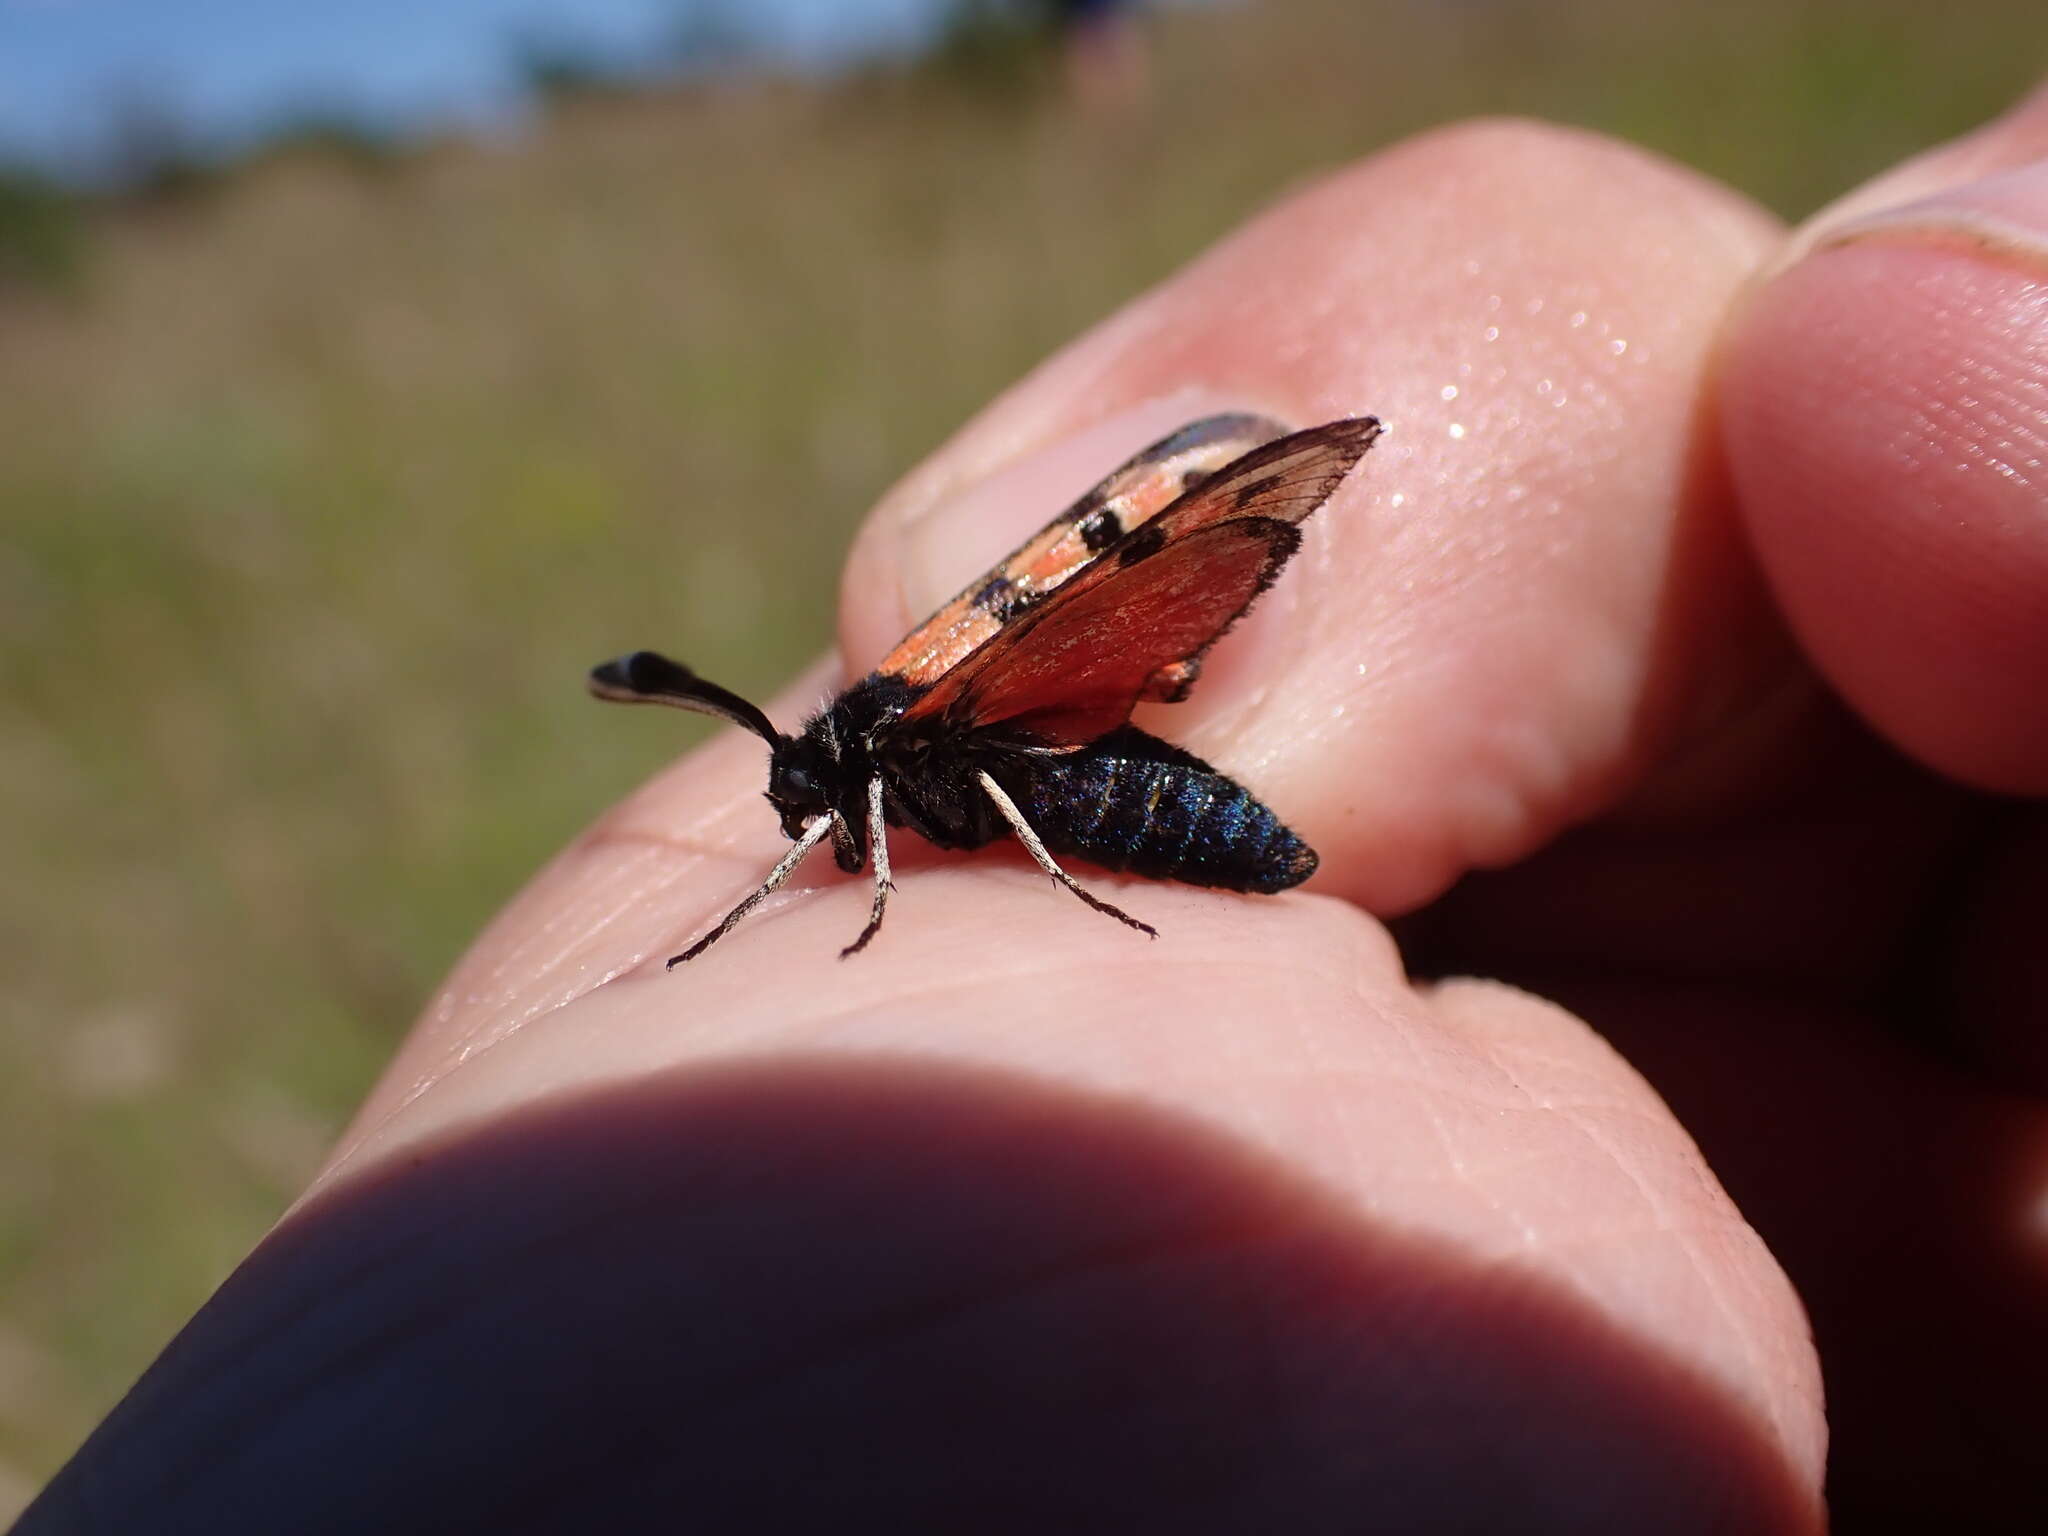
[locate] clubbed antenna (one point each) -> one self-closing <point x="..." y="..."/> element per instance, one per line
<point x="646" y="677"/>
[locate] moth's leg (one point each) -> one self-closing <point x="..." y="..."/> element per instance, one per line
<point x="844" y="850"/>
<point x="814" y="834"/>
<point x="878" y="846"/>
<point x="1008" y="809"/>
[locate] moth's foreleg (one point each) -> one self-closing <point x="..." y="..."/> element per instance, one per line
<point x="813" y="835"/>
<point x="1007" y="808"/>
<point x="878" y="848"/>
<point x="844" y="848"/>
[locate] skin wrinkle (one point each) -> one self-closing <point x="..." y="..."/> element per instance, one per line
<point x="1406" y="1032"/>
<point x="1481" y="1176"/>
<point x="574" y="882"/>
<point x="1256" y="1065"/>
<point x="1351" y="1155"/>
<point x="1573" y="1117"/>
<point x="1377" y="1075"/>
<point x="568" y="916"/>
<point x="585" y="925"/>
<point x="1529" y="1157"/>
<point x="590" y="926"/>
<point x="1662" y="1222"/>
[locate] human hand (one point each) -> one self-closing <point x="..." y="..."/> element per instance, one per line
<point x="1018" y="1221"/>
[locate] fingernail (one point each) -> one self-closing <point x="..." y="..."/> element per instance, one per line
<point x="1999" y="218"/>
<point x="959" y="537"/>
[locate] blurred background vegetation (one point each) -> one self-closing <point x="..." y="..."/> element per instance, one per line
<point x="325" y="472"/>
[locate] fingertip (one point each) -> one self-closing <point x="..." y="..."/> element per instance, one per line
<point x="1885" y="404"/>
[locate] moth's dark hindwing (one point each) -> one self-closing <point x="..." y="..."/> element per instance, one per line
<point x="1130" y="801"/>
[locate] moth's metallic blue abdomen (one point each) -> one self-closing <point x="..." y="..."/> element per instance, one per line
<point x="1163" y="815"/>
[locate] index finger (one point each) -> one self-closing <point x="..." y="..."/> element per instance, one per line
<point x="1528" y="588"/>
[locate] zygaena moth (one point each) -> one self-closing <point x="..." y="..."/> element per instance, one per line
<point x="1008" y="710"/>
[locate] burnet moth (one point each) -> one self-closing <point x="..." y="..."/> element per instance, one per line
<point x="1008" y="710"/>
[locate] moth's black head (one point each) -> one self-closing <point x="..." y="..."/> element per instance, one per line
<point x="804" y="781"/>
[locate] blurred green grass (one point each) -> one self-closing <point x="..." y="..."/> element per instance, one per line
<point x="322" y="488"/>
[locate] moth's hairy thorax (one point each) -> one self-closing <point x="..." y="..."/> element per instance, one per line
<point x="826" y="767"/>
<point x="866" y="711"/>
<point x="928" y="767"/>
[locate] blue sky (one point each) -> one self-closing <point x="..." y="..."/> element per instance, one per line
<point x="224" y="69"/>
